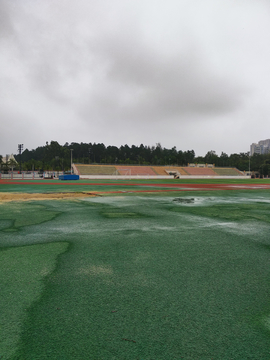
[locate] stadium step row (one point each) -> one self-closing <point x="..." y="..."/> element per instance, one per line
<point x="83" y="169"/>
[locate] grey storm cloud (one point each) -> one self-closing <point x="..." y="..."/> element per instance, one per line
<point x="131" y="72"/>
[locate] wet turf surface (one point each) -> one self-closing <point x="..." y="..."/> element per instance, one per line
<point x="129" y="276"/>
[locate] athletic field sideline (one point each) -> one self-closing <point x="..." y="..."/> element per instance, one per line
<point x="157" y="269"/>
<point x="104" y="186"/>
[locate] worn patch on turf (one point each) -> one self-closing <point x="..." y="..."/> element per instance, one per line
<point x="14" y="216"/>
<point x="22" y="271"/>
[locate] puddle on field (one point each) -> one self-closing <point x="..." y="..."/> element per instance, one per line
<point x="110" y="200"/>
<point x="181" y="200"/>
<point x="213" y="200"/>
<point x="161" y="214"/>
<point x="184" y="200"/>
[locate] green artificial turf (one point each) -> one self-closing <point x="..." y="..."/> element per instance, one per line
<point x="16" y="215"/>
<point x="183" y="276"/>
<point x="23" y="270"/>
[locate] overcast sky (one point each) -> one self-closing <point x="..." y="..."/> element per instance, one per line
<point x="194" y="74"/>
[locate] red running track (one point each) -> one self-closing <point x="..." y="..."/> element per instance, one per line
<point x="172" y="187"/>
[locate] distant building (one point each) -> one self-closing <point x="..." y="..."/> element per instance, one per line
<point x="263" y="147"/>
<point x="7" y="158"/>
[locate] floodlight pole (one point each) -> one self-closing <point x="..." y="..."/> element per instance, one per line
<point x="71" y="161"/>
<point x="20" y="148"/>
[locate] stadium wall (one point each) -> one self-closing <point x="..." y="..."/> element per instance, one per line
<point x="214" y="177"/>
<point x="161" y="177"/>
<point x="126" y="177"/>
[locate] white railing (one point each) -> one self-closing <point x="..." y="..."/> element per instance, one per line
<point x="31" y="175"/>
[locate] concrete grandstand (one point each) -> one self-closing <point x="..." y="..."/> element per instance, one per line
<point x="137" y="171"/>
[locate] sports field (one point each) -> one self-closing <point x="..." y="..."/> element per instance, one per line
<point x="135" y="270"/>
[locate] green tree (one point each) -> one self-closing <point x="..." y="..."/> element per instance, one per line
<point x="223" y="160"/>
<point x="211" y="157"/>
<point x="188" y="156"/>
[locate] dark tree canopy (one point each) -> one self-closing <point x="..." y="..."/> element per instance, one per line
<point x="54" y="156"/>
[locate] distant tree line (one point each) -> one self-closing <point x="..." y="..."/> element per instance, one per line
<point x="57" y="157"/>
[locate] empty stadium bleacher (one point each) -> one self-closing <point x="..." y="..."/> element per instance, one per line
<point x="164" y="170"/>
<point x="199" y="171"/>
<point x="96" y="169"/>
<point x="149" y="171"/>
<point x="179" y="169"/>
<point x="159" y="170"/>
<point x="228" y="172"/>
<point x="134" y="170"/>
